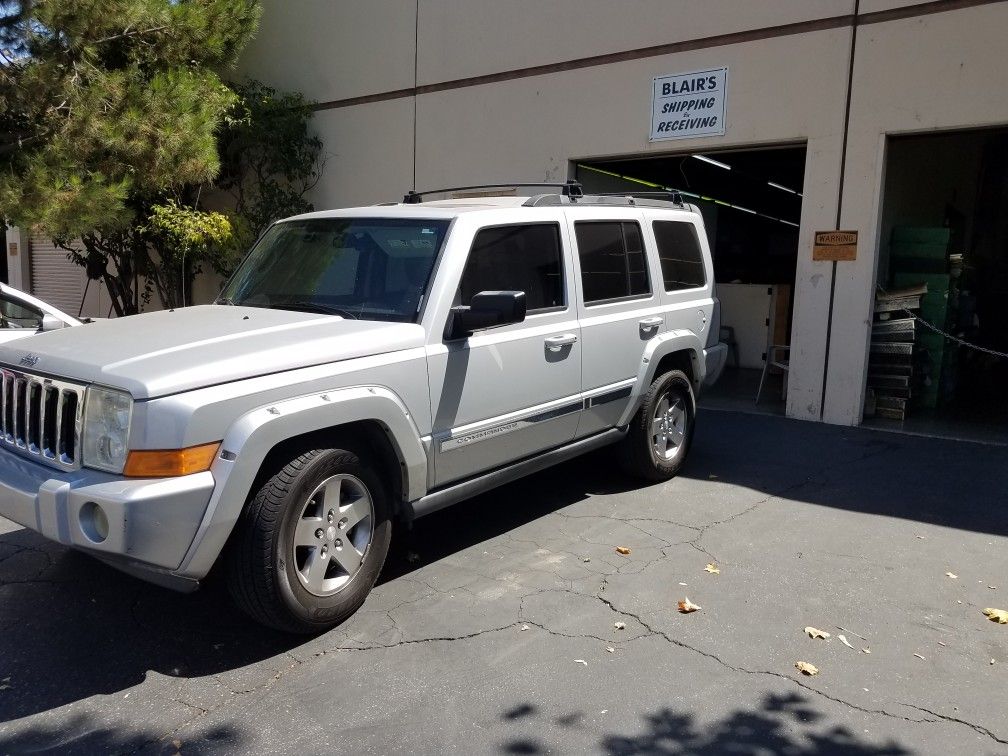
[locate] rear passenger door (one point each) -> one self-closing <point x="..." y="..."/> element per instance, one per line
<point x="505" y="394"/>
<point x="620" y="312"/>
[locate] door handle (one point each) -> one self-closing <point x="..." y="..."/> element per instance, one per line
<point x="556" y="343"/>
<point x="648" y="323"/>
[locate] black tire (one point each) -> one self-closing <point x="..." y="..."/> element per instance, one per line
<point x="262" y="573"/>
<point x="638" y="455"/>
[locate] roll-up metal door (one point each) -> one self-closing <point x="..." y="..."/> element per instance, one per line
<point x="55" y="279"/>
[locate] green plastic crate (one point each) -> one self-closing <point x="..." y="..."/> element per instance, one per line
<point x="903" y="250"/>
<point x="922" y="234"/>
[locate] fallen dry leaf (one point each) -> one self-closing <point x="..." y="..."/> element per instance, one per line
<point x="920" y="657"/>
<point x="814" y="632"/>
<point x="806" y="669"/>
<point x="713" y="569"/>
<point x="686" y="606"/>
<point x="622" y="550"/>
<point x="997" y="615"/>
<point x="581" y="661"/>
<point x="843" y="640"/>
<point x="610" y="649"/>
<point x="949" y="574"/>
<point x="619" y="625"/>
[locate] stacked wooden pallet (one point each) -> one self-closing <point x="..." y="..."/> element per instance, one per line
<point x="891" y="357"/>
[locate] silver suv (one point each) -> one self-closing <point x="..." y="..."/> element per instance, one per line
<point x="361" y="365"/>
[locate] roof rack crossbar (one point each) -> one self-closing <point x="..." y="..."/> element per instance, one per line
<point x="675" y="195"/>
<point x="570" y="189"/>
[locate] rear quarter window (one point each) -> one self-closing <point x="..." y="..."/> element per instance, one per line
<point x="681" y="257"/>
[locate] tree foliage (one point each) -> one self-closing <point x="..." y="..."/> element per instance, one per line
<point x="269" y="158"/>
<point x="109" y="109"/>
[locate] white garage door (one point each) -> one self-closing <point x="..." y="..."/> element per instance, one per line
<point x="54" y="278"/>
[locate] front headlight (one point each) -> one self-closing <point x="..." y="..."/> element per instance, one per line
<point x="106" y="428"/>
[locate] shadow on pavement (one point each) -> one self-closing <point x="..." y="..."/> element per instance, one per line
<point x="781" y="724"/>
<point x="71" y="627"/>
<point x="929" y="480"/>
<point x="102" y="739"/>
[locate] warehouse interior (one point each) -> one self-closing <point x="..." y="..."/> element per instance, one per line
<point x="943" y="269"/>
<point x="751" y="203"/>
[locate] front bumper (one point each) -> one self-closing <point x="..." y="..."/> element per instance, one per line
<point x="715" y="358"/>
<point x="151" y="523"/>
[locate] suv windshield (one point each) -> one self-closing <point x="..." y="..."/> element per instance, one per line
<point x="366" y="268"/>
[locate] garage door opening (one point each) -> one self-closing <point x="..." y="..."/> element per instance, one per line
<point x="937" y="361"/>
<point x="751" y="203"/>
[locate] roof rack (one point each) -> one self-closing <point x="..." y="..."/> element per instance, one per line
<point x="674" y="196"/>
<point x="621" y="199"/>
<point x="571" y="189"/>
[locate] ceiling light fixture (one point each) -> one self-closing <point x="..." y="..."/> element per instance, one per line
<point x="712" y="161"/>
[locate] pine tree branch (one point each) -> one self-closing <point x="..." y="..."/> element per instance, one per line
<point x="128" y="33"/>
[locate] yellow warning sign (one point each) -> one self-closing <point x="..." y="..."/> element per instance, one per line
<point x="835" y="245"/>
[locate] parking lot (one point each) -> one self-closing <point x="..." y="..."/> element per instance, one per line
<point x="511" y="624"/>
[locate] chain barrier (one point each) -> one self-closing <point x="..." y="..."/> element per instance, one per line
<point x="949" y="336"/>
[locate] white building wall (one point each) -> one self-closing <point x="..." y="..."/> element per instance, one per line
<point x="787" y="84"/>
<point x="937" y="72"/>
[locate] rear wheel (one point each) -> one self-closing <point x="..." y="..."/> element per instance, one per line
<point x="311" y="542"/>
<point x="660" y="433"/>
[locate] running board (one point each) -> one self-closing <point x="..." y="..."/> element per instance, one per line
<point x="453" y="494"/>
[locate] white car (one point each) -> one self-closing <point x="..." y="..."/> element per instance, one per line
<point x="22" y="315"/>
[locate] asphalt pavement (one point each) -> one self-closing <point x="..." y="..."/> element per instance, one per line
<point x="510" y="624"/>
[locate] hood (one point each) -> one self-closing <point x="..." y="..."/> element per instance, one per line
<point x="167" y="352"/>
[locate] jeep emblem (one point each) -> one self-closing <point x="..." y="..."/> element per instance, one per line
<point x="29" y="360"/>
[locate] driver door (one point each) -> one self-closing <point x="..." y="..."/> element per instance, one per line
<point x="508" y="393"/>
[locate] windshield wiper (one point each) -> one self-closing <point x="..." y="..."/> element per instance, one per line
<point x="312" y="307"/>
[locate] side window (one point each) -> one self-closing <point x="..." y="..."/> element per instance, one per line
<point x="516" y="258"/>
<point x="612" y="259"/>
<point x="14" y="314"/>
<point x="679" y="251"/>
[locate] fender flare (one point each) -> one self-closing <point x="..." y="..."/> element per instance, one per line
<point x="658" y="348"/>
<point x="253" y="435"/>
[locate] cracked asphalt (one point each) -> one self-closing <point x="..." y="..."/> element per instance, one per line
<point x="492" y="629"/>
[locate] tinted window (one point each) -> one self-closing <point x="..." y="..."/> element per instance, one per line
<point x="681" y="259"/>
<point x="516" y="258"/>
<point x="612" y="258"/>
<point x="14" y="314"/>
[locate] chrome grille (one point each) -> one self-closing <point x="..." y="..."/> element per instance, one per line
<point x="41" y="417"/>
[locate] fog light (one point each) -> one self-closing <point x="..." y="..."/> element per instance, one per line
<point x="94" y="522"/>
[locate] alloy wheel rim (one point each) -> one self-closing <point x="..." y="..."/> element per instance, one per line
<point x="668" y="428"/>
<point x="332" y="534"/>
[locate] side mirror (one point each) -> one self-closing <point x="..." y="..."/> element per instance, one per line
<point x="51" y="323"/>
<point x="488" y="309"/>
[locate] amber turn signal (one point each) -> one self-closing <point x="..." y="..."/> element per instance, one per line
<point x="167" y="463"/>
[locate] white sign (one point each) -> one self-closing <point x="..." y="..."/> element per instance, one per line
<point x="689" y="104"/>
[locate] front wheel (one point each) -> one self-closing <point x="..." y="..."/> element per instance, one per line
<point x="311" y="542"/>
<point x="660" y="433"/>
